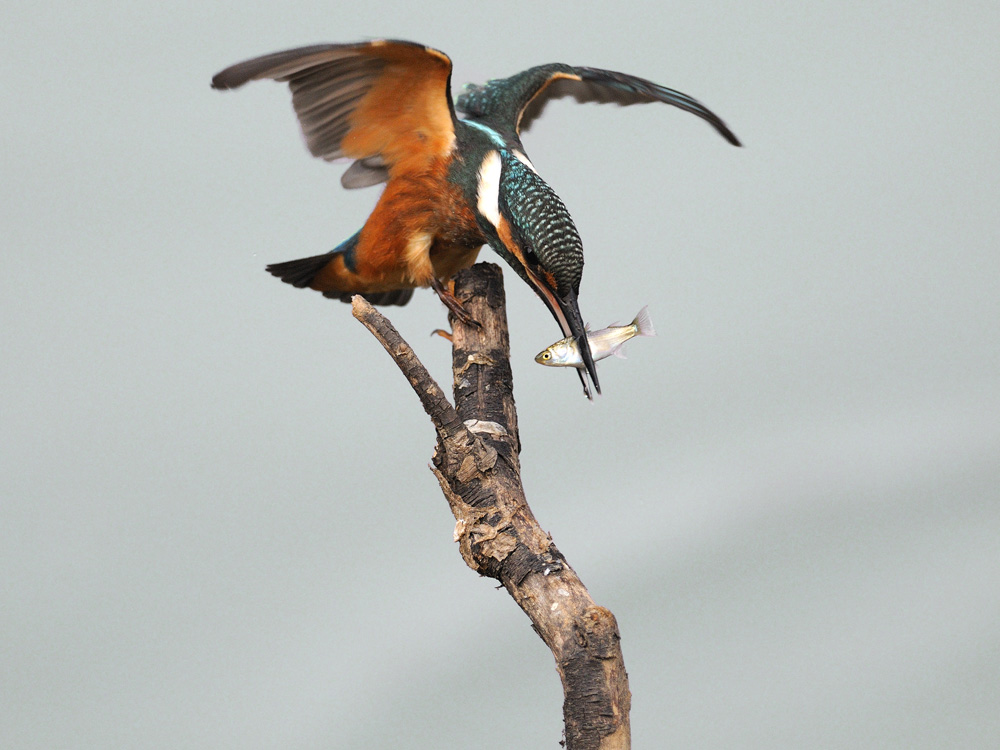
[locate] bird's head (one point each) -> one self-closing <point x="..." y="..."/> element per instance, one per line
<point x="534" y="233"/>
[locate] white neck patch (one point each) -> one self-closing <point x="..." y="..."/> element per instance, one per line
<point x="488" y="194"/>
<point x="524" y="160"/>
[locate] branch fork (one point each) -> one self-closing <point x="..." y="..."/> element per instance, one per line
<point x="476" y="463"/>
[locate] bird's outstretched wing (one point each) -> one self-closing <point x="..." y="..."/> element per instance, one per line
<point x="512" y="104"/>
<point x="384" y="103"/>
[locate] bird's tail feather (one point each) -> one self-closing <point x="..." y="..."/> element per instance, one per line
<point x="395" y="297"/>
<point x="302" y="273"/>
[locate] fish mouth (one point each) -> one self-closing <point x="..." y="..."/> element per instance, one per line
<point x="566" y="311"/>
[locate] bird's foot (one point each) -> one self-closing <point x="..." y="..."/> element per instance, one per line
<point x="452" y="303"/>
<point x="443" y="334"/>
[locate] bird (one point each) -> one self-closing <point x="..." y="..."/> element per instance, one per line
<point x="456" y="174"/>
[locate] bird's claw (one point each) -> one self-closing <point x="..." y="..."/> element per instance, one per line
<point x="451" y="302"/>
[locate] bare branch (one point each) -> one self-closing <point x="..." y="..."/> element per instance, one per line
<point x="435" y="403"/>
<point x="476" y="464"/>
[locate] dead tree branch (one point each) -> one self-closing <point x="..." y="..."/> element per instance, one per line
<point x="476" y="464"/>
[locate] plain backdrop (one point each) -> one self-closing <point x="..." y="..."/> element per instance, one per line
<point x="217" y="526"/>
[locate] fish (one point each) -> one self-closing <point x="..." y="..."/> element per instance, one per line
<point x="603" y="343"/>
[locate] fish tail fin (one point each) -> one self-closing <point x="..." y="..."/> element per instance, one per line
<point x="643" y="323"/>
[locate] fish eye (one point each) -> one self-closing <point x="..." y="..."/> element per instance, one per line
<point x="546" y="355"/>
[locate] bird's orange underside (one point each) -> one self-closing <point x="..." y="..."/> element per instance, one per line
<point x="411" y="237"/>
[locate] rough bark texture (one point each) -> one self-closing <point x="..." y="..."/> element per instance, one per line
<point x="476" y="464"/>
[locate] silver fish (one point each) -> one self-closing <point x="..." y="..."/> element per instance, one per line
<point x="603" y="343"/>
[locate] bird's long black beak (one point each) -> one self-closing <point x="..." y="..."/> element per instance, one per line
<point x="566" y="311"/>
<point x="578" y="330"/>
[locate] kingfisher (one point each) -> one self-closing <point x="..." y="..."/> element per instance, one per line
<point x="452" y="183"/>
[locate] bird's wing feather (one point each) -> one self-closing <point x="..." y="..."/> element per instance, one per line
<point x="514" y="103"/>
<point x="383" y="103"/>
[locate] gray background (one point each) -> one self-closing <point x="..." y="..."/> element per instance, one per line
<point x="217" y="526"/>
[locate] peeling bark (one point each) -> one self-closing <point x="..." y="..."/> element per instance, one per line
<point x="476" y="463"/>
